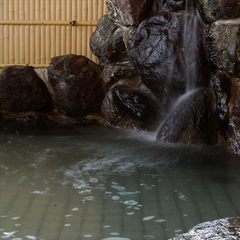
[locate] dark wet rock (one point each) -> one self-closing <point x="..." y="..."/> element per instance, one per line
<point x="225" y="88"/>
<point x="0" y="116"/>
<point x="129" y="108"/>
<point x="169" y="5"/>
<point x="107" y="41"/>
<point x="22" y="90"/>
<point x="192" y="121"/>
<point x="77" y="85"/>
<point x="156" y="51"/>
<point x="233" y="133"/>
<point x="218" y="9"/>
<point x="223" y="45"/>
<point x="228" y="229"/>
<point x="116" y="71"/>
<point x="128" y="12"/>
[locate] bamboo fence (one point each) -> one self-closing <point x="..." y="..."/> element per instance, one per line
<point x="34" y="31"/>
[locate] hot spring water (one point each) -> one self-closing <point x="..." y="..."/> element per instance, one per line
<point x="73" y="182"/>
<point x="63" y="182"/>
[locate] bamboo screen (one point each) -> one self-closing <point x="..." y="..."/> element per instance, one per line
<point x="34" y="31"/>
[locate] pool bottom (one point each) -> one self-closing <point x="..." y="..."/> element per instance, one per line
<point x="99" y="183"/>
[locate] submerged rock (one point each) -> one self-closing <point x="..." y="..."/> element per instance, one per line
<point x="219" y="9"/>
<point x="128" y="12"/>
<point x="233" y="133"/>
<point x="130" y="108"/>
<point x="77" y="85"/>
<point x="228" y="229"/>
<point x="223" y="45"/>
<point x="107" y="41"/>
<point x="22" y="90"/>
<point x="191" y="121"/>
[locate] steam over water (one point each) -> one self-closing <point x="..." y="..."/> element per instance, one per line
<point x="72" y="182"/>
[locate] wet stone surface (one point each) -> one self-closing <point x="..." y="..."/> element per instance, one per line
<point x="228" y="229"/>
<point x="22" y="90"/>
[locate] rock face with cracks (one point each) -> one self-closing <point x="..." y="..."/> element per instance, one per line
<point x="128" y="12"/>
<point x="130" y="108"/>
<point x="76" y="84"/>
<point x="191" y="121"/>
<point x="224" y="229"/>
<point x="22" y="90"/>
<point x="107" y="41"/>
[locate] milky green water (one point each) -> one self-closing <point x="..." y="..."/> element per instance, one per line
<point x="76" y="182"/>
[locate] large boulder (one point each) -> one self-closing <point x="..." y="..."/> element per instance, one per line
<point x="129" y="108"/>
<point x="22" y="90"/>
<point x="77" y="85"/>
<point x="107" y="41"/>
<point x="128" y="12"/>
<point x="165" y="56"/>
<point x="223" y="45"/>
<point x="233" y="133"/>
<point x="228" y="229"/>
<point x="218" y="9"/>
<point x="191" y="121"/>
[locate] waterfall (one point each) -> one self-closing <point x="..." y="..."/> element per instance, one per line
<point x="190" y="56"/>
<point x="190" y="44"/>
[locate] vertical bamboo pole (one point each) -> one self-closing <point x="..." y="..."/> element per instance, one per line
<point x="100" y="8"/>
<point x="43" y="28"/>
<point x="58" y="28"/>
<point x="48" y="32"/>
<point x="6" y="33"/>
<point x="63" y="29"/>
<point x="104" y="8"/>
<point x="32" y="33"/>
<point x="16" y="33"/>
<point x="11" y="33"/>
<point x="1" y="33"/>
<point x="79" y="28"/>
<point x="69" y="28"/>
<point x="27" y="32"/>
<point x="53" y="29"/>
<point x="37" y="39"/>
<point x="74" y="29"/>
<point x="95" y="18"/>
<point x="89" y="29"/>
<point x="84" y="28"/>
<point x="22" y="32"/>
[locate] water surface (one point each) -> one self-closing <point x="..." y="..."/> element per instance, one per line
<point x="90" y="182"/>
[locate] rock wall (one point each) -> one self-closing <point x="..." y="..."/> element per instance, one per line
<point x="150" y="53"/>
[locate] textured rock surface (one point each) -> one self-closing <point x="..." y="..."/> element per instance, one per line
<point x="156" y="50"/>
<point x="219" y="9"/>
<point x="129" y="108"/>
<point x="128" y="12"/>
<point x="233" y="133"/>
<point x="223" y="45"/>
<point x="190" y="121"/>
<point x="107" y="41"/>
<point x="169" y="5"/>
<point x="76" y="84"/>
<point x="225" y="88"/>
<point x="116" y="71"/>
<point x="22" y="90"/>
<point x="228" y="229"/>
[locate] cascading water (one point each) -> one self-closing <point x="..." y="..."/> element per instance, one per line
<point x="190" y="45"/>
<point x="190" y="55"/>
